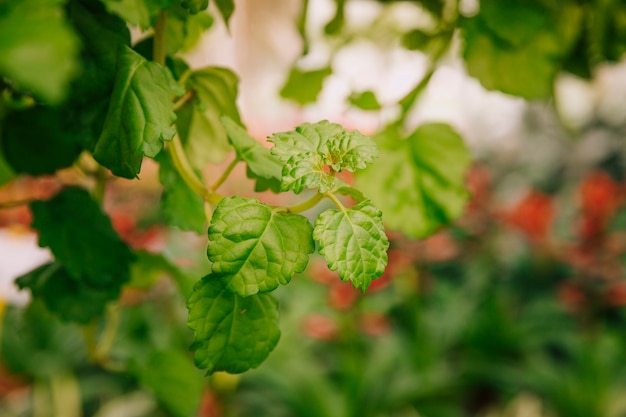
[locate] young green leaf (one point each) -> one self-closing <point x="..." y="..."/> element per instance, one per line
<point x="231" y="333"/>
<point x="419" y="182"/>
<point x="140" y="115"/>
<point x="82" y="238"/>
<point x="260" y="161"/>
<point x="181" y="206"/>
<point x="353" y="242"/>
<point x="140" y="13"/>
<point x="173" y="379"/>
<point x="203" y="136"/>
<point x="312" y="150"/>
<point x="39" y="49"/>
<point x="253" y="248"/>
<point x="72" y="299"/>
<point x="303" y="87"/>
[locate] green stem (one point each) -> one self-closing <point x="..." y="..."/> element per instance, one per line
<point x="226" y="173"/>
<point x="304" y="206"/>
<point x="65" y="396"/>
<point x="187" y="173"/>
<point x="101" y="180"/>
<point x="158" y="46"/>
<point x="183" y="100"/>
<point x="335" y="200"/>
<point x="108" y="334"/>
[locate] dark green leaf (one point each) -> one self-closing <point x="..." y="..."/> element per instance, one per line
<point x="253" y="248"/>
<point x="194" y="6"/>
<point x="171" y="376"/>
<point x="72" y="299"/>
<point x="519" y="47"/>
<point x="82" y="238"/>
<point x="102" y="35"/>
<point x="182" y="207"/>
<point x="140" y="115"/>
<point x="353" y="242"/>
<point x="39" y="141"/>
<point x="200" y="128"/>
<point x="419" y="183"/>
<point x="39" y="50"/>
<point x="231" y="333"/>
<point x="148" y="268"/>
<point x="262" y="165"/>
<point x="6" y="172"/>
<point x="303" y="87"/>
<point x="226" y="8"/>
<point x="312" y="150"/>
<point x="365" y="100"/>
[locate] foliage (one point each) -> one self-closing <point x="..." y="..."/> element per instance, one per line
<point x="79" y="96"/>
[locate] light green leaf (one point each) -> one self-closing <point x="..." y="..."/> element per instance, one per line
<point x="352" y="192"/>
<point x="365" y="100"/>
<point x="140" y="115"/>
<point x="226" y="8"/>
<point x="81" y="237"/>
<point x="183" y="30"/>
<point x="231" y="333"/>
<point x="519" y="47"/>
<point x="253" y="248"/>
<point x="201" y="131"/>
<point x="140" y="13"/>
<point x="353" y="242"/>
<point x="39" y="50"/>
<point x="172" y="378"/>
<point x="261" y="163"/>
<point x="181" y="206"/>
<point x="71" y="298"/>
<point x="313" y="149"/>
<point x="419" y="182"/>
<point x="303" y="87"/>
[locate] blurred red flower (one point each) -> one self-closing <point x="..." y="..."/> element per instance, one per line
<point x="533" y="215"/>
<point x="600" y="196"/>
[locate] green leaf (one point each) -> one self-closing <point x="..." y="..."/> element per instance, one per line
<point x="253" y="248"/>
<point x="148" y="268"/>
<point x="226" y="8"/>
<point x="183" y="30"/>
<point x="194" y="6"/>
<point x="303" y="87"/>
<point x="6" y="172"/>
<point x="353" y="242"/>
<point x="174" y="381"/>
<point x="102" y="34"/>
<point x="352" y="192"/>
<point x="140" y="13"/>
<point x="35" y="343"/>
<point x="336" y="23"/>
<point x="419" y="183"/>
<point x="262" y="165"/>
<point x="201" y="131"/>
<point x="140" y="115"/>
<point x="39" y="141"/>
<point x="313" y="149"/>
<point x="231" y="333"/>
<point x="39" y="50"/>
<point x="82" y="238"/>
<point x="519" y="47"/>
<point x="182" y="207"/>
<point x="365" y="100"/>
<point x="72" y="299"/>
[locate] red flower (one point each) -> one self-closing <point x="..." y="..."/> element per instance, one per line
<point x="533" y="215"/>
<point x="616" y="294"/>
<point x="319" y="326"/>
<point x="600" y="197"/>
<point x="342" y="295"/>
<point x="478" y="180"/>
